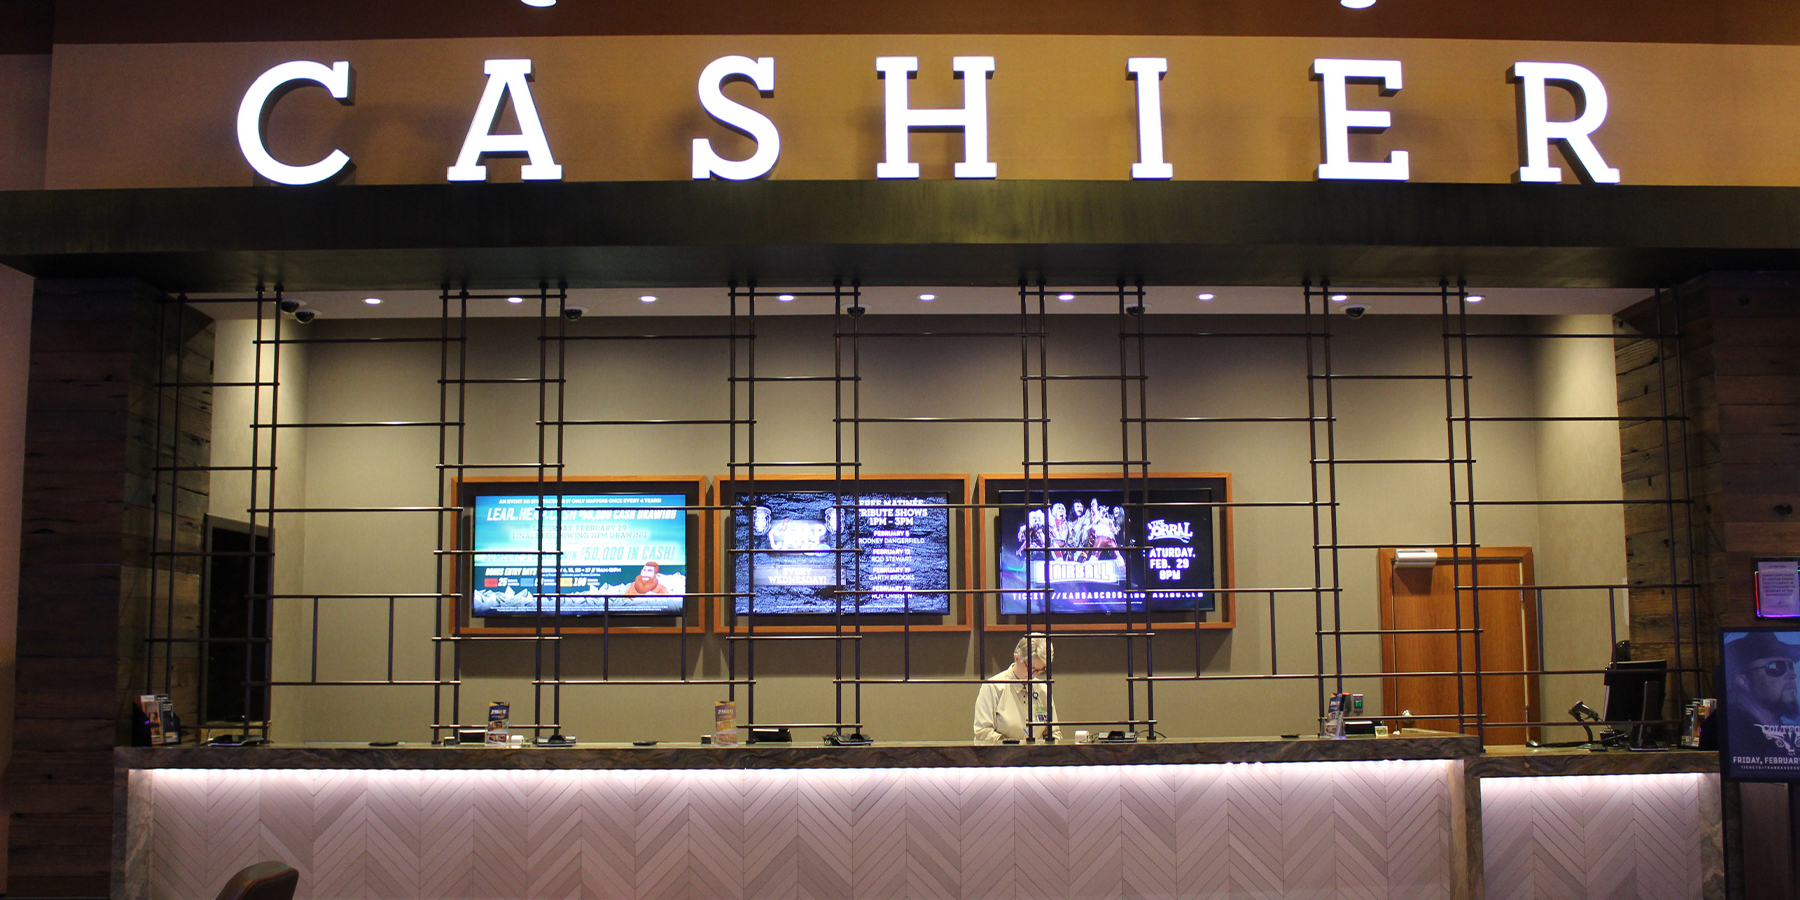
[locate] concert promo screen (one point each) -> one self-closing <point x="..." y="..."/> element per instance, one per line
<point x="618" y="553"/>
<point x="1091" y="551"/>
<point x="1762" y="704"/>
<point x="894" y="544"/>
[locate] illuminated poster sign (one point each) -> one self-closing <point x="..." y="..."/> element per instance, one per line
<point x="509" y="84"/>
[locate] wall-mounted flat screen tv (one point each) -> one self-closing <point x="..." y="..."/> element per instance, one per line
<point x="1093" y="549"/>
<point x="806" y="546"/>
<point x="1761" y="704"/>
<point x="577" y="553"/>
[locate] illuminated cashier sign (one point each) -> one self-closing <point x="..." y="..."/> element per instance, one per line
<point x="510" y="80"/>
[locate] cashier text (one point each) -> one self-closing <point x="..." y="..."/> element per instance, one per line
<point x="509" y="84"/>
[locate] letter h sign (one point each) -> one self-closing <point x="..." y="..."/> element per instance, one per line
<point x="902" y="118"/>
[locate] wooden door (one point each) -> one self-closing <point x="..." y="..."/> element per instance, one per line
<point x="1427" y="598"/>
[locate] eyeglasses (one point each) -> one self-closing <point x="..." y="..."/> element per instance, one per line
<point x="1777" y="668"/>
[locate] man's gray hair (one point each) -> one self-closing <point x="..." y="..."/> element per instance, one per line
<point x="1035" y="645"/>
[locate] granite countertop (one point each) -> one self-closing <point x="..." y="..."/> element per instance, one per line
<point x="886" y="754"/>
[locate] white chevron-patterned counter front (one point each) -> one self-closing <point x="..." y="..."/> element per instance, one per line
<point x="1606" y="837"/>
<point x="1154" y="832"/>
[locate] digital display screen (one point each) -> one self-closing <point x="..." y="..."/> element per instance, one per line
<point x="1762" y="704"/>
<point x="1091" y="551"/>
<point x="618" y="553"/>
<point x="805" y="544"/>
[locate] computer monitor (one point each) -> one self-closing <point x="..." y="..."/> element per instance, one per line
<point x="1634" y="693"/>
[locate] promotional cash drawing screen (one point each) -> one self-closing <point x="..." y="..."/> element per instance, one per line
<point x="617" y="553"/>
<point x="1096" y="551"/>
<point x="807" y="545"/>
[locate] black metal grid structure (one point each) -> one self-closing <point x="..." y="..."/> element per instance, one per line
<point x="1148" y="658"/>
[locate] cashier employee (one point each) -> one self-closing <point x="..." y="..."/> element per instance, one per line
<point x="1000" y="708"/>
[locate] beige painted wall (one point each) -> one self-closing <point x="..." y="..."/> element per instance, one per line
<point x="24" y="120"/>
<point x="1580" y="544"/>
<point x="234" y="408"/>
<point x="15" y="369"/>
<point x="964" y="377"/>
<point x="626" y="108"/>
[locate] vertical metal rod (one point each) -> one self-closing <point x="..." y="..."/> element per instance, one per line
<point x="1455" y="524"/>
<point x="1468" y="464"/>
<point x="727" y="605"/>
<point x="544" y="507"/>
<point x="838" y="507"/>
<point x="1313" y="355"/>
<point x="255" y="471"/>
<point x="1122" y="315"/>
<point x="462" y="456"/>
<point x="267" y="606"/>
<point x="1143" y="383"/>
<point x="562" y="466"/>
<point x="856" y="450"/>
<point x="444" y="523"/>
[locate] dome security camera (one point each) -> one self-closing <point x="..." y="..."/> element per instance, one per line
<point x="288" y="305"/>
<point x="573" y="313"/>
<point x="1357" y="311"/>
<point x="304" y="316"/>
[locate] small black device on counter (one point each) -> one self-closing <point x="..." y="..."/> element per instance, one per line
<point x="471" y="734"/>
<point x="770" y="736"/>
<point x="643" y="743"/>
<point x="853" y="739"/>
<point x="557" y="740"/>
<point x="1116" y="737"/>
<point x="384" y="743"/>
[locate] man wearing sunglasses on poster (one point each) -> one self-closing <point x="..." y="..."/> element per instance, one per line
<point x="1763" y="695"/>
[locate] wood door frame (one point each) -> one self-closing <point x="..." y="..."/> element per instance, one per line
<point x="1384" y="566"/>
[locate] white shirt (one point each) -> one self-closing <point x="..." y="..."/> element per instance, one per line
<point x="1000" y="708"/>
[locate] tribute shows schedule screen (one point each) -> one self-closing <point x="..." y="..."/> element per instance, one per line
<point x="619" y="553"/>
<point x="1093" y="551"/>
<point x="807" y="543"/>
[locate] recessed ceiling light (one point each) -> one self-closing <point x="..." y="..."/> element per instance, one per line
<point x="648" y="298"/>
<point x="1339" y="298"/>
<point x="515" y="299"/>
<point x="785" y="298"/>
<point x="927" y="297"/>
<point x="543" y="3"/>
<point x="1474" y="298"/>
<point x="1206" y="296"/>
<point x="372" y="301"/>
<point x="1065" y="296"/>
<point x="1352" y="4"/>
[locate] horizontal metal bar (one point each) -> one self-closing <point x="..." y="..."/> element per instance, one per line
<point x="1589" y="336"/>
<point x="967" y="420"/>
<point x="505" y="466"/>
<point x="650" y="337"/>
<point x="1568" y="418"/>
<point x="1367" y="631"/>
<point x="793" y="378"/>
<point x="1388" y="377"/>
<point x="398" y="424"/>
<point x="663" y="681"/>
<point x="212" y="468"/>
<point x="447" y="339"/>
<point x="1234" y="419"/>
<point x="1570" y="502"/>
<point x="215" y="384"/>
<point x="393" y="596"/>
<point x="1391" y="546"/>
<point x="207" y="640"/>
<point x="1391" y="462"/>
<point x="1084" y="377"/>
<point x="1327" y="292"/>
<point x="941" y="334"/>
<point x="520" y="380"/>
<point x="352" y="683"/>
<point x="356" y="509"/>
<point x="857" y="725"/>
<point x="1230" y="334"/>
<point x="1116" y="463"/>
<point x="648" y="422"/>
<point x="789" y="637"/>
<point x="829" y="464"/>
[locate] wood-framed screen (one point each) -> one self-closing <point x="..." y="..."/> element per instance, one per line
<point x="581" y="555"/>
<point x="1101" y="552"/>
<point x="813" y="554"/>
